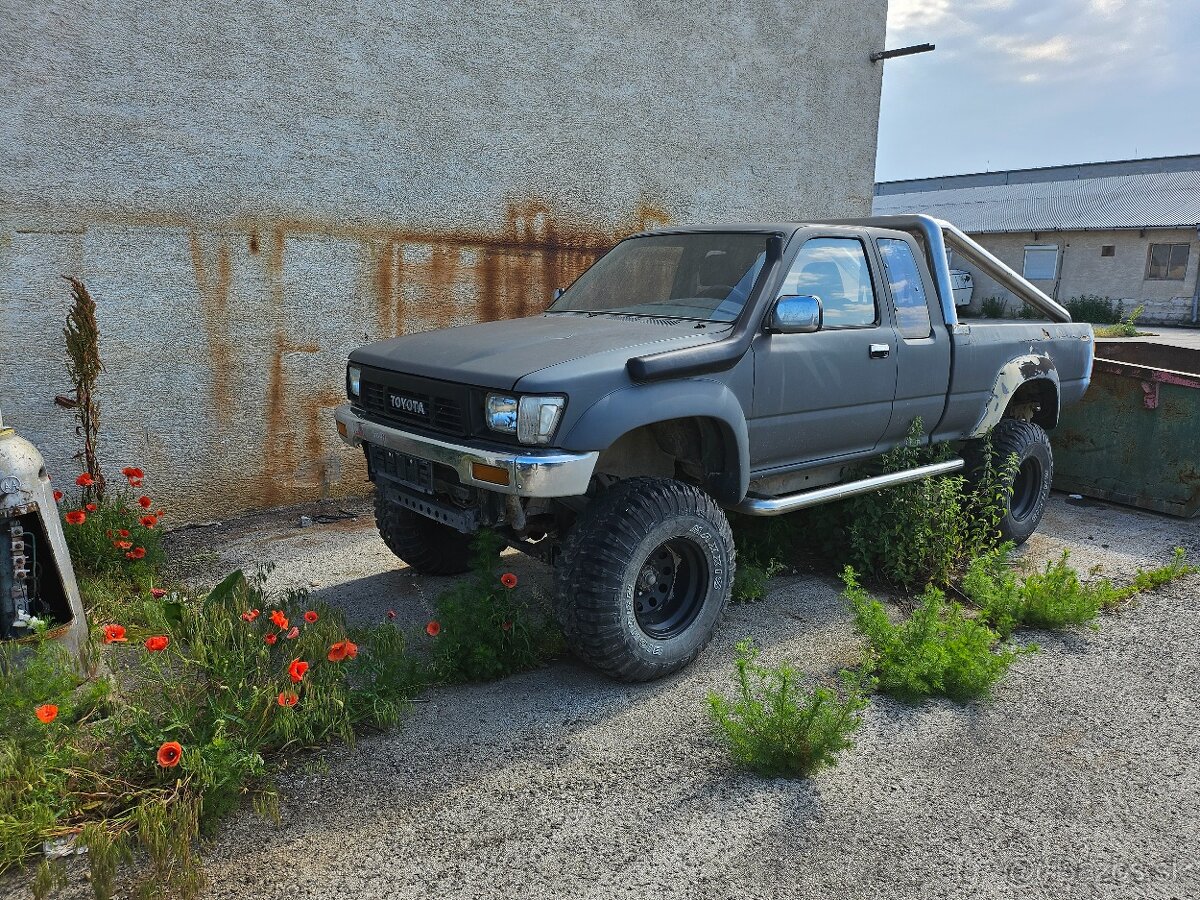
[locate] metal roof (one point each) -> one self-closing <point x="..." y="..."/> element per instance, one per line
<point x="1140" y="193"/>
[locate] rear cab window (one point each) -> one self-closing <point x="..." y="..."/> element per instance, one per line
<point x="907" y="288"/>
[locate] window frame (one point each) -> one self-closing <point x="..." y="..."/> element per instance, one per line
<point x="871" y="274"/>
<point x="1108" y="251"/>
<point x="1172" y="245"/>
<point x="1040" y="247"/>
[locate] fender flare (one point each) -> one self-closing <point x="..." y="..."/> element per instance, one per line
<point x="1012" y="376"/>
<point x="627" y="408"/>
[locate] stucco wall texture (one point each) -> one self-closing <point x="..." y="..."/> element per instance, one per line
<point x="1082" y="270"/>
<point x="251" y="190"/>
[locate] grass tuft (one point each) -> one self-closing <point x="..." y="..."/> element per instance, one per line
<point x="775" y="728"/>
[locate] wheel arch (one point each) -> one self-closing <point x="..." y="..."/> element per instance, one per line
<point x="710" y="406"/>
<point x="1028" y="379"/>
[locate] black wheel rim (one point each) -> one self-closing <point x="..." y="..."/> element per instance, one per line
<point x="670" y="589"/>
<point x="1026" y="489"/>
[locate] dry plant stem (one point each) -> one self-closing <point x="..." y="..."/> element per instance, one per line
<point x="82" y="336"/>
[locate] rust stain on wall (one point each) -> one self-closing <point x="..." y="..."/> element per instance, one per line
<point x="412" y="280"/>
<point x="214" y="307"/>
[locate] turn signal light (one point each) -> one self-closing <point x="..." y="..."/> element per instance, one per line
<point x="490" y="474"/>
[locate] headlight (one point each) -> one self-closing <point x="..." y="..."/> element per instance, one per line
<point x="500" y="412"/>
<point x="353" y="380"/>
<point x="531" y="419"/>
<point x="537" y="419"/>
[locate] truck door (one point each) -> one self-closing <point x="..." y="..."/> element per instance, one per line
<point x="828" y="393"/>
<point x="922" y="351"/>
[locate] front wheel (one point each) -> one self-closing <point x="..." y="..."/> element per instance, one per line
<point x="1031" y="482"/>
<point x="645" y="577"/>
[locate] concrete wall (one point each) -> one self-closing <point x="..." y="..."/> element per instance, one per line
<point x="1082" y="270"/>
<point x="251" y="190"/>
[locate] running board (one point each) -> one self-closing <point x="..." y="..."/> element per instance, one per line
<point x="777" y="506"/>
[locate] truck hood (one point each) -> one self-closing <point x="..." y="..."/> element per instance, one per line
<point x="499" y="354"/>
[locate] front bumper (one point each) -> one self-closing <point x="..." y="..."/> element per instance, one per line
<point x="547" y="473"/>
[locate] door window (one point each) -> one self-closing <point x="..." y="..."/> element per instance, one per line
<point x="835" y="270"/>
<point x="908" y="292"/>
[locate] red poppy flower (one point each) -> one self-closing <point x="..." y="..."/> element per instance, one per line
<point x="158" y="643"/>
<point x="58" y="495"/>
<point x="279" y="619"/>
<point x="122" y="545"/>
<point x="133" y="472"/>
<point x="158" y="593"/>
<point x="148" y="521"/>
<point x="85" y="480"/>
<point x="288" y="698"/>
<point x="145" y="502"/>
<point x="345" y="649"/>
<point x="294" y="633"/>
<point x="135" y="482"/>
<point x="46" y="713"/>
<point x="434" y="628"/>
<point x="114" y="634"/>
<point x="160" y="513"/>
<point x="509" y="580"/>
<point x="169" y="754"/>
<point x="76" y="517"/>
<point x="271" y="638"/>
<point x="91" y="507"/>
<point x="124" y="532"/>
<point x="297" y="669"/>
<point x="136" y="553"/>
<point x="250" y="615"/>
<point x="506" y="626"/>
<point x="391" y="614"/>
<point x="310" y="617"/>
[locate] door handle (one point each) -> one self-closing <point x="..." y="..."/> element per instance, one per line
<point x="880" y="351"/>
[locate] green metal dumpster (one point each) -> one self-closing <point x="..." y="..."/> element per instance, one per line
<point x="1135" y="437"/>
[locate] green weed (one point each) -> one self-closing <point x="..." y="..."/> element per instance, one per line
<point x="485" y="628"/>
<point x="775" y="728"/>
<point x="938" y="650"/>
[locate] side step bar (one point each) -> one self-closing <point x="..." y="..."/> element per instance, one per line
<point x="777" y="506"/>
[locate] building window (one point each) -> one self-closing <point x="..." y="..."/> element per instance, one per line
<point x="1108" y="250"/>
<point x="1167" y="262"/>
<point x="1041" y="262"/>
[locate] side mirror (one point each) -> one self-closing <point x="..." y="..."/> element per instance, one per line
<point x="796" y="314"/>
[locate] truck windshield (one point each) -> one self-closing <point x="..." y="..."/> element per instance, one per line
<point x="705" y="275"/>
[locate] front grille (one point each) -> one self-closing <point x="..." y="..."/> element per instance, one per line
<point x="424" y="402"/>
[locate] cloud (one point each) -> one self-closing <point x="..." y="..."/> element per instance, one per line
<point x="1027" y="41"/>
<point x="1037" y="82"/>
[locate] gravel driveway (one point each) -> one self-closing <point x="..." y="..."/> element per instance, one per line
<point x="1078" y="778"/>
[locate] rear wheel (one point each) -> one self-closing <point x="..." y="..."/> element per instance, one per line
<point x="429" y="547"/>
<point x="644" y="578"/>
<point x="1034" y="475"/>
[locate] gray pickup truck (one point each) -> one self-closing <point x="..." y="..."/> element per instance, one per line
<point x="691" y="371"/>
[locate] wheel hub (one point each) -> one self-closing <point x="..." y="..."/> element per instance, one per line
<point x="670" y="588"/>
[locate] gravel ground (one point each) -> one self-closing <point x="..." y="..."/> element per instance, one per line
<point x="1079" y="777"/>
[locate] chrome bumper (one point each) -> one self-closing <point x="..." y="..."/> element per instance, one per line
<point x="549" y="473"/>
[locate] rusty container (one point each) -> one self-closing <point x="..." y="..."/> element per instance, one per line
<point x="1135" y="437"/>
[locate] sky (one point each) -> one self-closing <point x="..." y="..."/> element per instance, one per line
<point x="1023" y="83"/>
